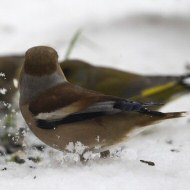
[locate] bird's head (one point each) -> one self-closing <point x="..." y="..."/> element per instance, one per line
<point x="40" y="60"/>
<point x="40" y="71"/>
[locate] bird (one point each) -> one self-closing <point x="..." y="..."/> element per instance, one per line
<point x="125" y="84"/>
<point x="59" y="112"/>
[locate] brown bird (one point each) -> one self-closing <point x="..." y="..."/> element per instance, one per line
<point x="59" y="112"/>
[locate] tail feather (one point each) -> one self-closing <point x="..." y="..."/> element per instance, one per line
<point x="151" y="117"/>
<point x="162" y="116"/>
<point x="172" y="115"/>
<point x="144" y="108"/>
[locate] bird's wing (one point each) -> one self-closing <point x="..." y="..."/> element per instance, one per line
<point x="66" y="100"/>
<point x="67" y="103"/>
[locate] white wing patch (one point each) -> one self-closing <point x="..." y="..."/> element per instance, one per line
<point x="75" y="108"/>
<point x="59" y="113"/>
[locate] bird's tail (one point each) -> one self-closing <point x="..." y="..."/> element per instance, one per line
<point x="169" y="88"/>
<point x="145" y="109"/>
<point x="172" y="115"/>
<point x="163" y="116"/>
<point x="152" y="117"/>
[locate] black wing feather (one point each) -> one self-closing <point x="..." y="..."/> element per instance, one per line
<point x="120" y="106"/>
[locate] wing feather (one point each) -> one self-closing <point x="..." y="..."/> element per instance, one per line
<point x="67" y="103"/>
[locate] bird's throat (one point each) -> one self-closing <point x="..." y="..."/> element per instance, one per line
<point x="31" y="86"/>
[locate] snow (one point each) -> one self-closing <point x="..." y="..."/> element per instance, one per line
<point x="2" y="75"/>
<point x="3" y="91"/>
<point x="141" y="36"/>
<point x="15" y="82"/>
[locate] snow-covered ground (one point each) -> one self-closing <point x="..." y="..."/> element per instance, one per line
<point x="144" y="36"/>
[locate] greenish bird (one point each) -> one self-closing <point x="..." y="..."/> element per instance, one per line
<point x="125" y="84"/>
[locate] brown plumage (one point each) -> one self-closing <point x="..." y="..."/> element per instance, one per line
<point x="37" y="65"/>
<point x="59" y="112"/>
